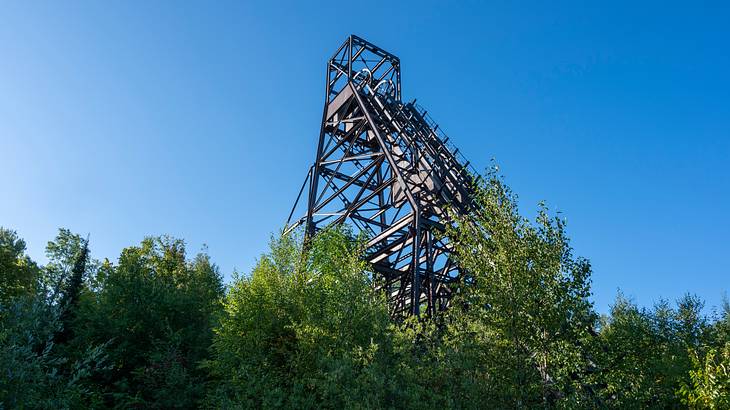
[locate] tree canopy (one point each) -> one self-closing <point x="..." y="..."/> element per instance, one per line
<point x="157" y="328"/>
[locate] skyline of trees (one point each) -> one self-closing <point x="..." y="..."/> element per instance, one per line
<point x="158" y="328"/>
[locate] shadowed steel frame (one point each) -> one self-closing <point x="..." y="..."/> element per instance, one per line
<point x="385" y="168"/>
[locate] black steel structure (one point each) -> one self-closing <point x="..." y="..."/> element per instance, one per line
<point x="384" y="167"/>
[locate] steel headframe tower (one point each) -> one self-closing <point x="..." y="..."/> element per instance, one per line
<point x="384" y="167"/>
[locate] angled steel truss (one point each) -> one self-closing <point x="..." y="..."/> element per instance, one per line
<point x="384" y="167"/>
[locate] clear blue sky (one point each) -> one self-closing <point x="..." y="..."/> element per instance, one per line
<point x="199" y="120"/>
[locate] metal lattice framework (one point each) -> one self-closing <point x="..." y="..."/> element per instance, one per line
<point x="384" y="167"/>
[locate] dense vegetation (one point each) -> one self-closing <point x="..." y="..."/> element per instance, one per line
<point x="304" y="329"/>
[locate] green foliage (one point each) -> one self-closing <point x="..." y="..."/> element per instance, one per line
<point x="70" y="295"/>
<point x="709" y="378"/>
<point x="134" y="338"/>
<point x="62" y="254"/>
<point x="710" y="386"/>
<point x="516" y="336"/>
<point x="720" y="331"/>
<point x="35" y="372"/>
<point x="526" y="304"/>
<point x="644" y="356"/>
<point x="303" y="330"/>
<point x="306" y="329"/>
<point x="155" y="310"/>
<point x="18" y="273"/>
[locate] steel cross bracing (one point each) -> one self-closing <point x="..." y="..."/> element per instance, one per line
<point x="384" y="167"/>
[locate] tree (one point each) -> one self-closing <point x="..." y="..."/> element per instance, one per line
<point x="62" y="254"/>
<point x="71" y="294"/>
<point x="644" y="357"/>
<point x="304" y="330"/>
<point x="37" y="372"/>
<point x="524" y="301"/>
<point x="155" y="312"/>
<point x="710" y="380"/>
<point x="18" y="273"/>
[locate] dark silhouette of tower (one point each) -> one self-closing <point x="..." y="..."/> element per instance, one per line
<point x="384" y="167"/>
